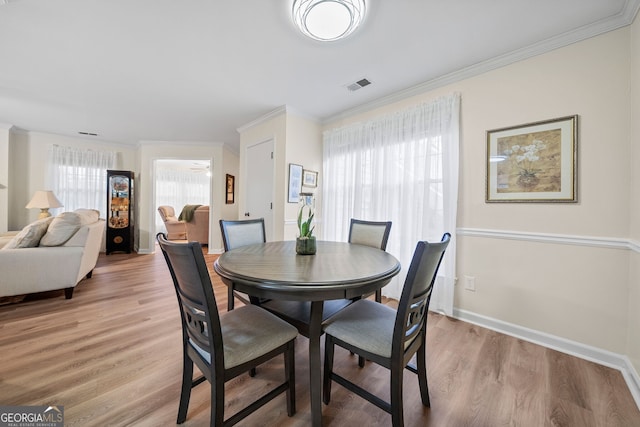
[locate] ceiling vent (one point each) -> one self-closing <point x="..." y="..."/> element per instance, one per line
<point x="88" y="133"/>
<point x="358" y="85"/>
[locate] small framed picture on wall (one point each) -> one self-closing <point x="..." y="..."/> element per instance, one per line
<point x="295" y="183"/>
<point x="231" y="183"/>
<point x="309" y="178"/>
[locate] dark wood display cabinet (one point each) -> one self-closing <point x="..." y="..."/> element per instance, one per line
<point x="120" y="210"/>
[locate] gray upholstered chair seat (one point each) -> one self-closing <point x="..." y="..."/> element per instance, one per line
<point x="366" y="324"/>
<point x="248" y="332"/>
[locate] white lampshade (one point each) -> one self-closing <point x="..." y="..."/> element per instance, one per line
<point x="43" y="200"/>
<point x="328" y="20"/>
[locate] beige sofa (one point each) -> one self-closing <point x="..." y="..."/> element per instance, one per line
<point x="198" y="227"/>
<point x="70" y="256"/>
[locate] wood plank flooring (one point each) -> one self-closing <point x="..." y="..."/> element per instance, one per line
<point x="111" y="356"/>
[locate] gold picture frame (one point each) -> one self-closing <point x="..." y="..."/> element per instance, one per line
<point x="533" y="163"/>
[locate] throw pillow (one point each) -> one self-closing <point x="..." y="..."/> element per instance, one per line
<point x="61" y="229"/>
<point x="88" y="216"/>
<point x="30" y="236"/>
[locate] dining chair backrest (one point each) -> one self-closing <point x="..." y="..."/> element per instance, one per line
<point x="369" y="233"/>
<point x="242" y="232"/>
<point x="234" y="235"/>
<point x="416" y="294"/>
<point x="198" y="309"/>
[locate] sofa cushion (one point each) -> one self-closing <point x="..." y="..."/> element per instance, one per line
<point x="61" y="229"/>
<point x="65" y="225"/>
<point x="29" y="237"/>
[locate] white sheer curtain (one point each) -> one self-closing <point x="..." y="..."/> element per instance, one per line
<point x="401" y="167"/>
<point x="178" y="187"/>
<point x="79" y="177"/>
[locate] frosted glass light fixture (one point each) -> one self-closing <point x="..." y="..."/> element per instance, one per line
<point x="44" y="200"/>
<point x="328" y="20"/>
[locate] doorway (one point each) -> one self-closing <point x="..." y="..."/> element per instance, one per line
<point x="180" y="182"/>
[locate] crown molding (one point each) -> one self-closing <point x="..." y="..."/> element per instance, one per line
<point x="622" y="19"/>
<point x="270" y="115"/>
<point x="182" y="143"/>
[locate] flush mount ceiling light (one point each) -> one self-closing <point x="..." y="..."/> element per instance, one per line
<point x="328" y="20"/>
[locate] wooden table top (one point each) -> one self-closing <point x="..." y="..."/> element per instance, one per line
<point x="337" y="270"/>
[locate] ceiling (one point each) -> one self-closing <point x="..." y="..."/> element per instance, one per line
<point x="197" y="70"/>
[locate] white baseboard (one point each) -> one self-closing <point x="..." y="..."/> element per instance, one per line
<point x="583" y="351"/>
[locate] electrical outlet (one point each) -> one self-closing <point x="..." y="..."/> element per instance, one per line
<point x="470" y="283"/>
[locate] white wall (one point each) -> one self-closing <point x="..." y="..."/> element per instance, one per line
<point x="633" y="307"/>
<point x="271" y="127"/>
<point x="297" y="139"/>
<point x="28" y="169"/>
<point x="231" y="166"/>
<point x="560" y="286"/>
<point x="29" y="151"/>
<point x="304" y="147"/>
<point x="4" y="177"/>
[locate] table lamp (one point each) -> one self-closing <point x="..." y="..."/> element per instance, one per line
<point x="44" y="200"/>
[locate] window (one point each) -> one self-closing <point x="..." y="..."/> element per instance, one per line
<point x="401" y="168"/>
<point x="79" y="177"/>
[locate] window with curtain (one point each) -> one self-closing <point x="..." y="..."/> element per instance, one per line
<point x="79" y="177"/>
<point x="403" y="168"/>
<point x="178" y="187"/>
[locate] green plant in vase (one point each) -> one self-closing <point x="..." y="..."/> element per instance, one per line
<point x="306" y="241"/>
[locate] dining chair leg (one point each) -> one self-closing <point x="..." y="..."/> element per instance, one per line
<point x="185" y="393"/>
<point x="290" y="372"/>
<point x="230" y="299"/>
<point x="217" y="402"/>
<point x="328" y="369"/>
<point x="422" y="375"/>
<point x="396" y="396"/>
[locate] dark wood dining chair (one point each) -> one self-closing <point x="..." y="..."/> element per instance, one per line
<point x="386" y="336"/>
<point x="223" y="346"/>
<point x="370" y="233"/>
<point x="234" y="235"/>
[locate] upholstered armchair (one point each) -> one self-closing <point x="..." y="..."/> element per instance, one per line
<point x="198" y="227"/>
<point x="176" y="230"/>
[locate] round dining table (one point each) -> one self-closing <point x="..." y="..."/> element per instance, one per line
<point x="338" y="270"/>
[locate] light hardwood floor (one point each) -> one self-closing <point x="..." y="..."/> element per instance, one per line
<point x="111" y="356"/>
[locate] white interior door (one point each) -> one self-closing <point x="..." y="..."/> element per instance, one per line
<point x="259" y="188"/>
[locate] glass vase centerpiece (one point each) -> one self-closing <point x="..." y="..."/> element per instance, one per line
<point x="306" y="241"/>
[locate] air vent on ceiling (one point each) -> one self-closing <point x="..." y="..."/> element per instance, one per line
<point x="358" y="85"/>
<point x="88" y="133"/>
